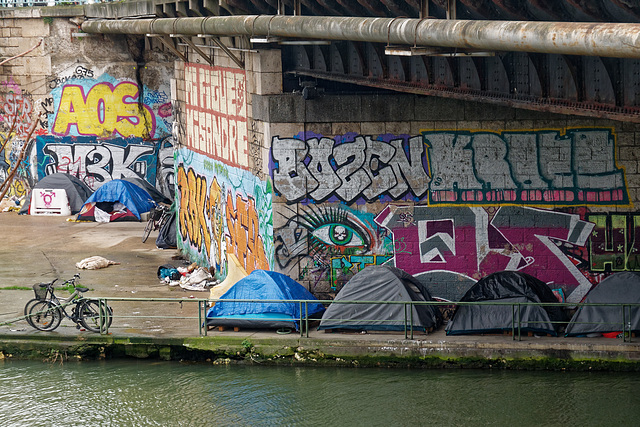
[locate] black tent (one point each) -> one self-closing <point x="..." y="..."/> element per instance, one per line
<point x="507" y="287"/>
<point x="381" y="283"/>
<point x="619" y="288"/>
<point x="167" y="237"/>
<point x="77" y="191"/>
<point x="157" y="196"/>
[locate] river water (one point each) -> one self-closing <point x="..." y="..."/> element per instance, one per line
<point x="143" y="393"/>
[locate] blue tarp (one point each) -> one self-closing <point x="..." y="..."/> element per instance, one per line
<point x="133" y="197"/>
<point x="264" y="285"/>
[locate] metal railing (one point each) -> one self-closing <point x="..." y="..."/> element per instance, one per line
<point x="624" y="325"/>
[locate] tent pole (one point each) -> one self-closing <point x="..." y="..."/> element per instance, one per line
<point x="411" y="318"/>
<point x="519" y="319"/>
<point x="513" y="322"/>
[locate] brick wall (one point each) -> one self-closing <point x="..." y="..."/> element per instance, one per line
<point x="450" y="191"/>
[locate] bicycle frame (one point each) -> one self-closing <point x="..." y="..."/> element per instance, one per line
<point x="65" y="302"/>
<point x="158" y="216"/>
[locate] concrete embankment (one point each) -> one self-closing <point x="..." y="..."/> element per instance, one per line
<point x="434" y="351"/>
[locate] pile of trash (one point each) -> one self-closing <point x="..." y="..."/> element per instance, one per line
<point x="11" y="204"/>
<point x="192" y="278"/>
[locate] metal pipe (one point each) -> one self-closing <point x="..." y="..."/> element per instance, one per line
<point x="621" y="40"/>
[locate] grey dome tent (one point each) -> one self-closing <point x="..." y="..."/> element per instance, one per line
<point x="381" y="283"/>
<point x="619" y="288"/>
<point x="77" y="191"/>
<point x="507" y="287"/>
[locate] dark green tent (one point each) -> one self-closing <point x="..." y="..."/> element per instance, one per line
<point x="513" y="288"/>
<point x="619" y="288"/>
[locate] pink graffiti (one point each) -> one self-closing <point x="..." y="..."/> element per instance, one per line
<point x="467" y="241"/>
<point x="11" y="85"/>
<point x="165" y="110"/>
<point x="17" y="108"/>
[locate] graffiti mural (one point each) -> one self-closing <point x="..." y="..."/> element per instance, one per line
<point x="539" y="168"/>
<point x="97" y="161"/>
<point x="108" y="107"/>
<point x="16" y="120"/>
<point x="79" y="72"/>
<point x="330" y="242"/>
<point x="614" y="244"/>
<point x="216" y="113"/>
<point x="222" y="209"/>
<point x="165" y="180"/>
<point x="472" y="242"/>
<point x="16" y="112"/>
<point x="22" y="180"/>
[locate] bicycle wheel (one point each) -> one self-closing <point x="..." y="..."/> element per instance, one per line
<point x="163" y="219"/>
<point x="147" y="230"/>
<point x="45" y="316"/>
<point x="90" y="316"/>
<point x="27" y="310"/>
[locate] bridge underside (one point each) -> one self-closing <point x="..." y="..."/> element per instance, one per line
<point x="516" y="10"/>
<point x="569" y="84"/>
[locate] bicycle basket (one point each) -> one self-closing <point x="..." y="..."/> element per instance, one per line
<point x="41" y="292"/>
<point x="155" y="213"/>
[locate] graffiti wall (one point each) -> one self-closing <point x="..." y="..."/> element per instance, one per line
<point x="451" y="207"/>
<point x="96" y="128"/>
<point x="96" y="161"/>
<point x="216" y="113"/>
<point x="222" y="209"/>
<point x="108" y="107"/>
<point x="550" y="167"/>
<point x="329" y="241"/>
<point x="17" y="117"/>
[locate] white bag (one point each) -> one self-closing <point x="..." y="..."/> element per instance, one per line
<point x="94" y="263"/>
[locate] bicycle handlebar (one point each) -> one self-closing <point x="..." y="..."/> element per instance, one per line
<point x="70" y="281"/>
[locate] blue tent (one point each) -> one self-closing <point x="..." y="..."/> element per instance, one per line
<point x="136" y="200"/>
<point x="270" y="287"/>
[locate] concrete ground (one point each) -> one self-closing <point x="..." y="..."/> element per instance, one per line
<point x="40" y="248"/>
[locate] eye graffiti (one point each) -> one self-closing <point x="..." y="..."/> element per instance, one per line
<point x="338" y="230"/>
<point x="320" y="232"/>
<point x="338" y="235"/>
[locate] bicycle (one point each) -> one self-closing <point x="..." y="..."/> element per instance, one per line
<point x="46" y="310"/>
<point x="157" y="217"/>
<point x="42" y="292"/>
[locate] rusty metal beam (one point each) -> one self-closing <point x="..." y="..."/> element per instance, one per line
<point x="623" y="114"/>
<point x="620" y="40"/>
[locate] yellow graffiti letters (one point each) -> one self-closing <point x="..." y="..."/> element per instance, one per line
<point x="193" y="199"/>
<point x="105" y="109"/>
<point x="216" y="214"/>
<point x="244" y="228"/>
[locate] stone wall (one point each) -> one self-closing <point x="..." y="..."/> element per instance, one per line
<point x="224" y="195"/>
<point x="99" y="106"/>
<point x="449" y="191"/>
